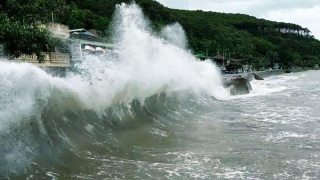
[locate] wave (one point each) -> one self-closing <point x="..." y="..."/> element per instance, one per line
<point x="44" y="117"/>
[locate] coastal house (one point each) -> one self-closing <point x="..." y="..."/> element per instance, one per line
<point x="87" y="42"/>
<point x="236" y="65"/>
<point x="230" y="64"/>
<point x="237" y="61"/>
<point x="219" y="60"/>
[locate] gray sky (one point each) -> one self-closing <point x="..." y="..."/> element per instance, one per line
<point x="306" y="13"/>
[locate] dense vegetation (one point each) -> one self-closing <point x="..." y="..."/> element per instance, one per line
<point x="260" y="41"/>
<point x="21" y="25"/>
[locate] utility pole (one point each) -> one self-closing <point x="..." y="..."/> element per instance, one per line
<point x="207" y="51"/>
<point x="187" y="5"/>
<point x="223" y="54"/>
<point x="52" y="17"/>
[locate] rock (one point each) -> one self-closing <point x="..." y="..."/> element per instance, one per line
<point x="240" y="86"/>
<point x="257" y="77"/>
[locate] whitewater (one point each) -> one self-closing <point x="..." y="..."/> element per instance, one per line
<point x="154" y="111"/>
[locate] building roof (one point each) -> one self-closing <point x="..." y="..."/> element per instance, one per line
<point x="220" y="57"/>
<point x="201" y="55"/>
<point x="77" y="30"/>
<point x="81" y="31"/>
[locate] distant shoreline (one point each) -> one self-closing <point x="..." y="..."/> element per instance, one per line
<point x="268" y="73"/>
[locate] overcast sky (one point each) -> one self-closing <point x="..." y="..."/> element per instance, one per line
<point x="306" y="13"/>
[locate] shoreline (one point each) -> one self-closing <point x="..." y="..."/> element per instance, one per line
<point x="268" y="73"/>
<point x="240" y="83"/>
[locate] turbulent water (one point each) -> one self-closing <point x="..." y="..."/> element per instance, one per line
<point x="153" y="111"/>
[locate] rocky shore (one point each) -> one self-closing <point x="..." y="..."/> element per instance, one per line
<point x="240" y="83"/>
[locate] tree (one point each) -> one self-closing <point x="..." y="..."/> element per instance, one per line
<point x="22" y="30"/>
<point x="245" y="36"/>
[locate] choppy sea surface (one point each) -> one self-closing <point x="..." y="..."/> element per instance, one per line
<point x="154" y="111"/>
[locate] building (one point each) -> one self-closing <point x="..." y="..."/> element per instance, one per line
<point x="87" y="42"/>
<point x="220" y="60"/>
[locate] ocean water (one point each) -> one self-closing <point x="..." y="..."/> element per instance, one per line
<point x="155" y="112"/>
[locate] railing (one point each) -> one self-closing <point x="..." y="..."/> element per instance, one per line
<point x="30" y="58"/>
<point x="88" y="38"/>
<point x="49" y="59"/>
<point x="56" y="57"/>
<point x="234" y="76"/>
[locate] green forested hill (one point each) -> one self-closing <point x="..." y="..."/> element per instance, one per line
<point x="260" y="41"/>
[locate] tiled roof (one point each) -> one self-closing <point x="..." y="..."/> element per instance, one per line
<point x="218" y="57"/>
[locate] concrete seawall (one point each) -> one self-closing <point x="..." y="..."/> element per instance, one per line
<point x="268" y="73"/>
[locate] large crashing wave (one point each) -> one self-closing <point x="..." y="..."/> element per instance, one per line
<point x="41" y="115"/>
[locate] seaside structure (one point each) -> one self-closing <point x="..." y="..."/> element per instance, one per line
<point x="75" y="42"/>
<point x="227" y="65"/>
<point x="83" y="41"/>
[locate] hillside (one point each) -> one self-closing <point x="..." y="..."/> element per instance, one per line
<point x="260" y="41"/>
